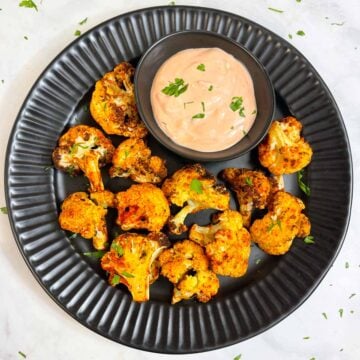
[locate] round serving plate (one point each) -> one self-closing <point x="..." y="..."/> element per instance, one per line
<point x="273" y="286"/>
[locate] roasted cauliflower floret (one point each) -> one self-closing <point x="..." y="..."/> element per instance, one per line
<point x="133" y="159"/>
<point x="131" y="260"/>
<point x="84" y="148"/>
<point x="82" y="216"/>
<point x="103" y="198"/>
<point x="113" y="104"/>
<point x="275" y="232"/>
<point x="142" y="206"/>
<point x="203" y="285"/>
<point x="194" y="186"/>
<point x="284" y="151"/>
<point x="252" y="189"/>
<point x="226" y="242"/>
<point x="186" y="266"/>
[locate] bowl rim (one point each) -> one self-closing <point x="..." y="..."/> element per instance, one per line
<point x="189" y="153"/>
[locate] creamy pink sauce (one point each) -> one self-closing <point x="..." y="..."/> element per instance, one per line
<point x="209" y="92"/>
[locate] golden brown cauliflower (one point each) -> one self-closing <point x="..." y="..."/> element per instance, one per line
<point x="84" y="148"/>
<point x="252" y="189"/>
<point x="275" y="232"/>
<point x="226" y="242"/>
<point x="131" y="261"/>
<point x="284" y="151"/>
<point x="82" y="216"/>
<point x="133" y="159"/>
<point x="142" y="206"/>
<point x="186" y="266"/>
<point x="113" y="104"/>
<point x="197" y="188"/>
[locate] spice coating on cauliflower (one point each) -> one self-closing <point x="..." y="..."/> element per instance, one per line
<point x="275" y="232"/>
<point x="131" y="262"/>
<point x="284" y="151"/>
<point x="197" y="188"/>
<point x="84" y="148"/>
<point x="133" y="159"/>
<point x="226" y="242"/>
<point x="252" y="189"/>
<point x="186" y="266"/>
<point x="82" y="216"/>
<point x="142" y="206"/>
<point x="113" y="104"/>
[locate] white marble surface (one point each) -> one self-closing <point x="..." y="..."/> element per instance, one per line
<point x="32" y="323"/>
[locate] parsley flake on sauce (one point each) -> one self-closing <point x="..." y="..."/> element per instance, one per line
<point x="196" y="185"/>
<point x="203" y="106"/>
<point x="188" y="102"/>
<point x="210" y="88"/>
<point x="201" y="67"/>
<point x="28" y="4"/>
<point x="300" y="33"/>
<point x="237" y="104"/>
<point x="198" y="116"/>
<point x="4" y="210"/>
<point x="175" y="88"/>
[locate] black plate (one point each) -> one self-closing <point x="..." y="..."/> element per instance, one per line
<point x="244" y="307"/>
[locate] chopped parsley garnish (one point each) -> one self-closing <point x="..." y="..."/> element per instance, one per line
<point x="172" y="3"/>
<point x="118" y="248"/>
<point x="248" y="181"/>
<point x="324" y="315"/>
<point x="232" y="127"/>
<point x="298" y="0"/>
<point x="304" y="187"/>
<point x="126" y="154"/>
<point x="73" y="147"/>
<point x="71" y="170"/>
<point x="210" y="88"/>
<point x="306" y="337"/>
<point x="276" y="10"/>
<point x="22" y="354"/>
<point x="4" y="210"/>
<point x="82" y="22"/>
<point x="347" y="265"/>
<point x="237" y="357"/>
<point x="338" y="24"/>
<point x="73" y="236"/>
<point x="196" y="185"/>
<point x="309" y="239"/>
<point x="95" y="254"/>
<point x="77" y="33"/>
<point x="187" y="103"/>
<point x="26" y="38"/>
<point x="274" y="223"/>
<point x="341" y="312"/>
<point x="115" y="280"/>
<point x="2" y="81"/>
<point x="244" y="132"/>
<point x="201" y="67"/>
<point x="300" y="33"/>
<point x="28" y="4"/>
<point x="290" y="36"/>
<point x="198" y="116"/>
<point x="352" y="295"/>
<point x="254" y="112"/>
<point x="126" y="274"/>
<point x="175" y="88"/>
<point x="352" y="311"/>
<point x="237" y="104"/>
<point x="203" y="106"/>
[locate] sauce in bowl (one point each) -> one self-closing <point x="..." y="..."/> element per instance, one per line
<point x="203" y="99"/>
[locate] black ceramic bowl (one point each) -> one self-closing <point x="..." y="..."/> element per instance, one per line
<point x="158" y="53"/>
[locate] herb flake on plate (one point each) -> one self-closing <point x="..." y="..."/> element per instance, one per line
<point x="23" y="355"/>
<point x="300" y="33"/>
<point x="77" y="33"/>
<point x="309" y="239"/>
<point x="276" y="10"/>
<point x="28" y="4"/>
<point x="95" y="254"/>
<point x="4" y="210"/>
<point x="304" y="187"/>
<point x="82" y="22"/>
<point x="127" y="274"/>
